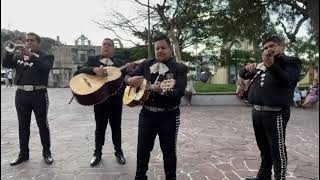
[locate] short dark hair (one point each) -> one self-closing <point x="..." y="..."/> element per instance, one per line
<point x="38" y="38"/>
<point x="275" y="39"/>
<point x="163" y="37"/>
<point x="109" y="40"/>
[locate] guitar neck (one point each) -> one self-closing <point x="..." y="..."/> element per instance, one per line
<point x="123" y="67"/>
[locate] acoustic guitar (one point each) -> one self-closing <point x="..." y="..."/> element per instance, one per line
<point x="134" y="96"/>
<point x="91" y="89"/>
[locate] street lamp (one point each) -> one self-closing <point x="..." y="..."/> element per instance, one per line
<point x="149" y="38"/>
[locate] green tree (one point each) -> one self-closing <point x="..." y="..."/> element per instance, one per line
<point x="7" y="35"/>
<point x="212" y="22"/>
<point x="132" y="54"/>
<point x="175" y="18"/>
<point x="46" y="43"/>
<point x="307" y="50"/>
<point x="186" y="56"/>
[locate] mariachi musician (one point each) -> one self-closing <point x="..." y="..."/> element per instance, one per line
<point x="160" y="114"/>
<point x="272" y="83"/>
<point x="32" y="72"/>
<point x="110" y="110"/>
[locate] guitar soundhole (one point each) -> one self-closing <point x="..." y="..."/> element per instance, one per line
<point x="138" y="89"/>
<point x="87" y="82"/>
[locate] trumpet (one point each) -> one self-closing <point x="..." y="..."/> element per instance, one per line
<point x="10" y="46"/>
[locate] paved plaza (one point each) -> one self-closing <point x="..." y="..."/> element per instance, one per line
<point x="214" y="143"/>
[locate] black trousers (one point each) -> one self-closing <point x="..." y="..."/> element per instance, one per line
<point x="270" y="131"/>
<point x="108" y="111"/>
<point x="38" y="102"/>
<point x="165" y="125"/>
<point x="9" y="83"/>
<point x="188" y="96"/>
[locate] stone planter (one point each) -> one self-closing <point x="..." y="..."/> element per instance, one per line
<point x="216" y="98"/>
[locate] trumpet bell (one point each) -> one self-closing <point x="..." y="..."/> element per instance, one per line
<point x="9" y="46"/>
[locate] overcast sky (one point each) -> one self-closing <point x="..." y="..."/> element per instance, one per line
<point x="65" y="18"/>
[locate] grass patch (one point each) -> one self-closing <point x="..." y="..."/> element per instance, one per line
<point x="205" y="87"/>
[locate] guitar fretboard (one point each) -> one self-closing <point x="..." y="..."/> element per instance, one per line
<point x="123" y="67"/>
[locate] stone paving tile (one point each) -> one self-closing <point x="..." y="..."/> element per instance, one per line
<point x="214" y="143"/>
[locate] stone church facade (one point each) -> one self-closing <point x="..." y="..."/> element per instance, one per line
<point x="67" y="58"/>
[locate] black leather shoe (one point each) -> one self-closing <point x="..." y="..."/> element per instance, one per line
<point x="258" y="178"/>
<point x="47" y="157"/>
<point x="21" y="158"/>
<point x="121" y="160"/>
<point x="95" y="160"/>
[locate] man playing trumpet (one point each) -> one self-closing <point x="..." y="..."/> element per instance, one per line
<point x="32" y="72"/>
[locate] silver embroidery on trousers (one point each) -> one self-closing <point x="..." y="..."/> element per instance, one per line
<point x="281" y="143"/>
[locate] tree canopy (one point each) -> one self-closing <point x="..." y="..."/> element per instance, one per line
<point x="214" y="23"/>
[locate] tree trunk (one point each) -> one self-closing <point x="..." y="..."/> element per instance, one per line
<point x="175" y="45"/>
<point x="255" y="50"/>
<point x="236" y="72"/>
<point x="313" y="11"/>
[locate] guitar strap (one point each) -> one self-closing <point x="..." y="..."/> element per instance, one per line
<point x="157" y="78"/>
<point x="71" y="99"/>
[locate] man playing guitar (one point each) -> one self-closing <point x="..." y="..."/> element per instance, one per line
<point x="160" y="114"/>
<point x="110" y="109"/>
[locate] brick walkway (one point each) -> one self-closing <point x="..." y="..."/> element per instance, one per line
<point x="214" y="142"/>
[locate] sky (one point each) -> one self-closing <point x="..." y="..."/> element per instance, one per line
<point x="67" y="19"/>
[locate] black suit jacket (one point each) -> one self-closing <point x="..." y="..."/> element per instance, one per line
<point x="34" y="71"/>
<point x="94" y="61"/>
<point x="275" y="86"/>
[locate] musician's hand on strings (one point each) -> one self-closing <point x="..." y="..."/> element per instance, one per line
<point x="167" y="85"/>
<point x="130" y="66"/>
<point x="135" y="81"/>
<point x="156" y="87"/>
<point x="99" y="71"/>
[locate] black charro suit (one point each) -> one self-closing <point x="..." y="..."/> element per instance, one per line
<point x="160" y="115"/>
<point x="32" y="72"/>
<point x="109" y="110"/>
<point x="272" y="87"/>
